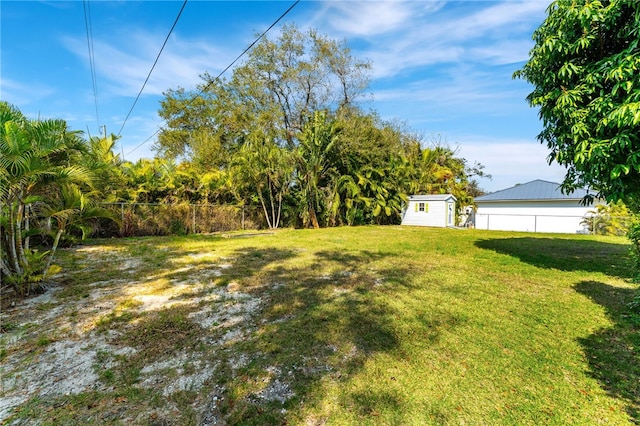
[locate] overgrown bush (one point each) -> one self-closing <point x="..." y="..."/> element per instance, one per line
<point x="180" y="219"/>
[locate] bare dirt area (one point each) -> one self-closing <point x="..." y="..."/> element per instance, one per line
<point x="130" y="346"/>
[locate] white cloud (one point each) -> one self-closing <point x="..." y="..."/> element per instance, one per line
<point x="125" y="64"/>
<point x="370" y="18"/>
<point x="395" y="60"/>
<point x="454" y="93"/>
<point x="19" y="94"/>
<point x="510" y="161"/>
<point x="507" y="16"/>
<point x="502" y="52"/>
<point x="406" y="35"/>
<point x="460" y="90"/>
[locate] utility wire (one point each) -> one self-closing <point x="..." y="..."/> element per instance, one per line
<point x="92" y="61"/>
<point x="205" y="88"/>
<point x="153" y="66"/>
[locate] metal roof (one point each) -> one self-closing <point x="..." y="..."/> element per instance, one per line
<point x="432" y="197"/>
<point x="534" y="191"/>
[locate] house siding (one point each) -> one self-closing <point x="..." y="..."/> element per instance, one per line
<point x="436" y="214"/>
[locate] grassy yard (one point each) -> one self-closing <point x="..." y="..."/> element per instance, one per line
<point x="370" y="325"/>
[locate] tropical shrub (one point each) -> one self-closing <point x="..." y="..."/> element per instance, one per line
<point x="45" y="190"/>
<point x="609" y="219"/>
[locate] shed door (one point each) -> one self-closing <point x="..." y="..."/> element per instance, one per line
<point x="450" y="214"/>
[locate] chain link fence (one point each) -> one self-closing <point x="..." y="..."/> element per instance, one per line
<point x="589" y="224"/>
<point x="606" y="224"/>
<point x="144" y="219"/>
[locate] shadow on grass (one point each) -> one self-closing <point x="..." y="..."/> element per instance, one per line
<point x="614" y="353"/>
<point x="350" y="259"/>
<point x="565" y="254"/>
<point x="312" y="324"/>
<point x="305" y="324"/>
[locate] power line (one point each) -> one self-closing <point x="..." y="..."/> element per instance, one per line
<point x="153" y="66"/>
<point x="205" y="88"/>
<point x="92" y="61"/>
<point x="250" y="46"/>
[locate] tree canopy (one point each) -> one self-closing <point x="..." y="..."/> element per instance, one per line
<point x="280" y="85"/>
<point x="585" y="68"/>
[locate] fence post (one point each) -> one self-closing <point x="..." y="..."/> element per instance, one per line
<point x="193" y="220"/>
<point x="242" y="217"/>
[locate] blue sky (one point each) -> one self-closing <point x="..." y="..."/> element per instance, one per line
<point x="442" y="67"/>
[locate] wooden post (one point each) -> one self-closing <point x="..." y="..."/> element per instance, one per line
<point x="193" y="220"/>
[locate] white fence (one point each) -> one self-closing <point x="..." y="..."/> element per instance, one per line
<point x="591" y="224"/>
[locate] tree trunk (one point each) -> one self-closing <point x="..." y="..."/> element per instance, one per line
<point x="279" y="209"/>
<point x="14" y="262"/>
<point x="274" y="216"/>
<point x="56" y="241"/>
<point x="4" y="268"/>
<point x="313" y="218"/>
<point x="27" y="225"/>
<point x="22" y="258"/>
<point x="264" y="208"/>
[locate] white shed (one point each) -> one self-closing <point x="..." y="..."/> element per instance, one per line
<point x="430" y="210"/>
<point x="536" y="206"/>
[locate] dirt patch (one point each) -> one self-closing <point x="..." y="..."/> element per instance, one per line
<point x="74" y="341"/>
<point x="52" y="368"/>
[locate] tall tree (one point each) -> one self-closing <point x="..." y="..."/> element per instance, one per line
<point x="199" y="127"/>
<point x="278" y="87"/>
<point x="585" y="69"/>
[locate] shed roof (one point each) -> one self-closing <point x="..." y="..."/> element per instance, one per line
<point x="432" y="197"/>
<point x="534" y="191"/>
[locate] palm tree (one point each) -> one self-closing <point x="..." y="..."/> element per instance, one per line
<point x="314" y="169"/>
<point x="261" y="169"/>
<point x="73" y="208"/>
<point x="38" y="160"/>
<point x="106" y="167"/>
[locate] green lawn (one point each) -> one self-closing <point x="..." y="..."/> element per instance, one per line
<point x="365" y="325"/>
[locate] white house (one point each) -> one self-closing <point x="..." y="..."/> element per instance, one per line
<point x="536" y="206"/>
<point x="430" y="210"/>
